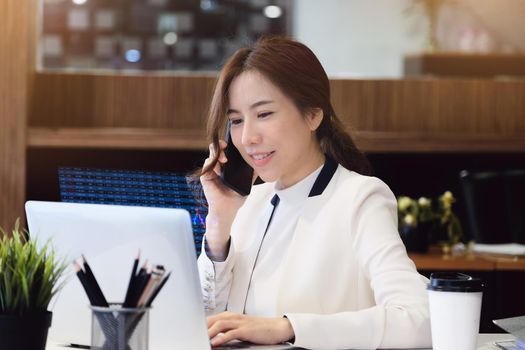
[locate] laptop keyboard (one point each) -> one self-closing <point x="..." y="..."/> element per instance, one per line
<point x="233" y="346"/>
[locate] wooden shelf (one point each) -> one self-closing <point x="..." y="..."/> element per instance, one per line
<point x="467" y="262"/>
<point x="435" y="261"/>
<point x="465" y="64"/>
<point x="414" y="142"/>
<point x="370" y="142"/>
<point x="117" y="138"/>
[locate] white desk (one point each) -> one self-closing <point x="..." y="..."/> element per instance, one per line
<point x="484" y="342"/>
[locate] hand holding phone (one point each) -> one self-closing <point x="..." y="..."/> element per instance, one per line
<point x="236" y="173"/>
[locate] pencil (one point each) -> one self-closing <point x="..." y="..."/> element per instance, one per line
<point x="82" y="277"/>
<point x="143" y="281"/>
<point x="153" y="282"/>
<point x="157" y="290"/>
<point x="143" y="269"/>
<point x="132" y="280"/>
<point x="104" y="320"/>
<point x="100" y="299"/>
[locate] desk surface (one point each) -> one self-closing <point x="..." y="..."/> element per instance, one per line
<point x="436" y="260"/>
<point x="485" y="342"/>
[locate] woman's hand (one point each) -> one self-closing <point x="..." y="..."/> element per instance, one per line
<point x="223" y="204"/>
<point x="228" y="326"/>
<point x="215" y="191"/>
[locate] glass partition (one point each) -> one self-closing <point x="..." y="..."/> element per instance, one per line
<point x="352" y="38"/>
<point x="153" y="34"/>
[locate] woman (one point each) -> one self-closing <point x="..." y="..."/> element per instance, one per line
<point x="312" y="256"/>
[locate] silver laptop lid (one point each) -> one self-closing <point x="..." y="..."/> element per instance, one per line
<point x="110" y="236"/>
<point x="515" y="326"/>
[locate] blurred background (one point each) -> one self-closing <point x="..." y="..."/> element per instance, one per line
<point x="433" y="91"/>
<point x="352" y="38"/>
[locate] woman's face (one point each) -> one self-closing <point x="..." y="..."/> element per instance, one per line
<point x="270" y="132"/>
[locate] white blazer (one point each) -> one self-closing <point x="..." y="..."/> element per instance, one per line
<point x="348" y="283"/>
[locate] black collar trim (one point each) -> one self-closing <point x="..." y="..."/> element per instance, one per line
<point x="324" y="177"/>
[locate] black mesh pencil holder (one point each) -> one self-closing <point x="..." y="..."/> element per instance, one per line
<point x="119" y="328"/>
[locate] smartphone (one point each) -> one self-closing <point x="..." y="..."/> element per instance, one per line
<point x="236" y="173"/>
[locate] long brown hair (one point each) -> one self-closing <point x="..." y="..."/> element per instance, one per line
<point x="297" y="72"/>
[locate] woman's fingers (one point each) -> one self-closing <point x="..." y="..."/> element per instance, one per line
<point x="221" y="160"/>
<point x="226" y="315"/>
<point x="209" y="160"/>
<point x="228" y="326"/>
<point x="222" y="326"/>
<point x="222" y="146"/>
<point x="225" y="327"/>
<point x="233" y="334"/>
<point x="222" y="157"/>
<point x="210" y="175"/>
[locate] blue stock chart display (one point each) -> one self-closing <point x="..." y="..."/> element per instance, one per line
<point x="135" y="188"/>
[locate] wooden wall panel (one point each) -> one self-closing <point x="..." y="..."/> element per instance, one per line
<point x="432" y="106"/>
<point x="386" y="115"/>
<point x="162" y="101"/>
<point x="140" y="101"/>
<point x="17" y="24"/>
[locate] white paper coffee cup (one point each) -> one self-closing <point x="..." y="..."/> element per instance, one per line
<point x="455" y="308"/>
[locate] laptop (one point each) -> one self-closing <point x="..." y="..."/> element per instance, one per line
<point x="516" y="327"/>
<point x="109" y="236"/>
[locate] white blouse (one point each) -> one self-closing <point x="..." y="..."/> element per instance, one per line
<point x="334" y="265"/>
<point x="262" y="294"/>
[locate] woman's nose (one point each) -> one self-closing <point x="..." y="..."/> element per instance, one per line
<point x="250" y="134"/>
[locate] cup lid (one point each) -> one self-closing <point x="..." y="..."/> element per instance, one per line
<point x="454" y="282"/>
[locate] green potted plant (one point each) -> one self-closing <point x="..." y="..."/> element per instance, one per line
<point x="29" y="278"/>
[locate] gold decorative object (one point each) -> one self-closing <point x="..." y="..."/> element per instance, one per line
<point x="413" y="213"/>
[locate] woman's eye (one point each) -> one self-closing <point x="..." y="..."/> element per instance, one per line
<point x="264" y="115"/>
<point x="235" y="121"/>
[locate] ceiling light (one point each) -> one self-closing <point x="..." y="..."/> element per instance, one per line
<point x="272" y="11"/>
<point x="133" y="55"/>
<point x="170" y="38"/>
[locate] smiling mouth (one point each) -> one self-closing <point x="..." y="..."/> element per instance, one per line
<point x="261" y="156"/>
